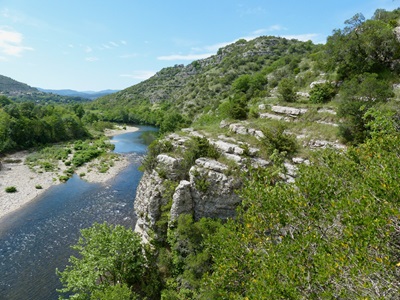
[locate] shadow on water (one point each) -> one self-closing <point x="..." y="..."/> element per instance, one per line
<point x="36" y="239"/>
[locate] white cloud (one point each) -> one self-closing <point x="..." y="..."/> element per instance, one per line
<point x="88" y="49"/>
<point x="141" y="75"/>
<point x="123" y="42"/>
<point x="113" y="44"/>
<point x="11" y="43"/>
<point x="185" y="57"/>
<point x="276" y="27"/>
<point x="92" y="59"/>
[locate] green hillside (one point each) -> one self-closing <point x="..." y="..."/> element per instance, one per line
<point x="9" y="86"/>
<point x="21" y="92"/>
<point x="332" y="232"/>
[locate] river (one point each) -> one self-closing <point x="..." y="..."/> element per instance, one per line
<point x="36" y="239"/>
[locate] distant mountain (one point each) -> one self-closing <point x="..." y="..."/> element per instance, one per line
<point x="9" y="86"/>
<point x="21" y="92"/>
<point x="84" y="94"/>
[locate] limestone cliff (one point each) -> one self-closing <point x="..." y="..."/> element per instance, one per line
<point x="204" y="188"/>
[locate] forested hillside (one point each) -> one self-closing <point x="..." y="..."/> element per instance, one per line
<point x="309" y="223"/>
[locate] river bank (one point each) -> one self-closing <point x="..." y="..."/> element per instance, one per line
<point x="30" y="184"/>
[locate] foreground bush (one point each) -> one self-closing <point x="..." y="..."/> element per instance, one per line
<point x="333" y="234"/>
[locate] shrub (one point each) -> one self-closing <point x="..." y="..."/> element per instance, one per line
<point x="38" y="187"/>
<point x="11" y="189"/>
<point x="286" y="90"/>
<point x="322" y="93"/>
<point x="276" y="139"/>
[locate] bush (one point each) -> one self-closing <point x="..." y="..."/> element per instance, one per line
<point x="11" y="189"/>
<point x="286" y="90"/>
<point x="322" y="93"/>
<point x="276" y="139"/>
<point x="38" y="187"/>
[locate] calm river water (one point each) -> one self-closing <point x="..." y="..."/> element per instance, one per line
<point x="36" y="239"/>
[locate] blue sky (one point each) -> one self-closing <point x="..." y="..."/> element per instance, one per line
<point x="97" y="45"/>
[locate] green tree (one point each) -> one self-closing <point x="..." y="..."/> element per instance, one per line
<point x="357" y="96"/>
<point x="363" y="46"/>
<point x="286" y="90"/>
<point x="172" y="121"/>
<point x="108" y="256"/>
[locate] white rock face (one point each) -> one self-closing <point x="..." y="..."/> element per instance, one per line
<point x="288" y="110"/>
<point x="207" y="189"/>
<point x="213" y="193"/>
<point x="182" y="202"/>
<point x="314" y="83"/>
<point x="169" y="165"/>
<point x="148" y="203"/>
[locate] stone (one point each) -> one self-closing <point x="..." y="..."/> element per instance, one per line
<point x="314" y="83"/>
<point x="297" y="160"/>
<point x="238" y="128"/>
<point x="182" y="201"/>
<point x="224" y="146"/>
<point x="236" y="158"/>
<point x="291" y="170"/>
<point x="259" y="134"/>
<point x="303" y="94"/>
<point x="288" y="110"/>
<point x="170" y="166"/>
<point x="211" y="164"/>
<point x="261" y="107"/>
<point x="219" y="199"/>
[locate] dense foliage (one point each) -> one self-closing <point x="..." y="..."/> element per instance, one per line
<point x="334" y="233"/>
<point x="24" y="125"/>
<point x="111" y="261"/>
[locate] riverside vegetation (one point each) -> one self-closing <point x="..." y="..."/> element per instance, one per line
<point x="331" y="232"/>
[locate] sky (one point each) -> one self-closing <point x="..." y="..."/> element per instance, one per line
<point x="93" y="45"/>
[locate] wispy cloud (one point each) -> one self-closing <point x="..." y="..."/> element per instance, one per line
<point x="112" y="45"/>
<point x="246" y="10"/>
<point x="129" y="55"/>
<point x="139" y="75"/>
<point x="11" y="43"/>
<point x="91" y="59"/>
<point x="88" y="49"/>
<point x="185" y="57"/>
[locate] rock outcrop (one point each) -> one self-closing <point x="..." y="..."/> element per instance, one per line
<point x="206" y="190"/>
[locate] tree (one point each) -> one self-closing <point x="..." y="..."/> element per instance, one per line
<point x="172" y="121"/>
<point x="363" y="46"/>
<point x="286" y="90"/>
<point x="357" y="96"/>
<point x="108" y="256"/>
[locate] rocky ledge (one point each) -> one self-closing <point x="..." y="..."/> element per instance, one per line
<point x="207" y="188"/>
